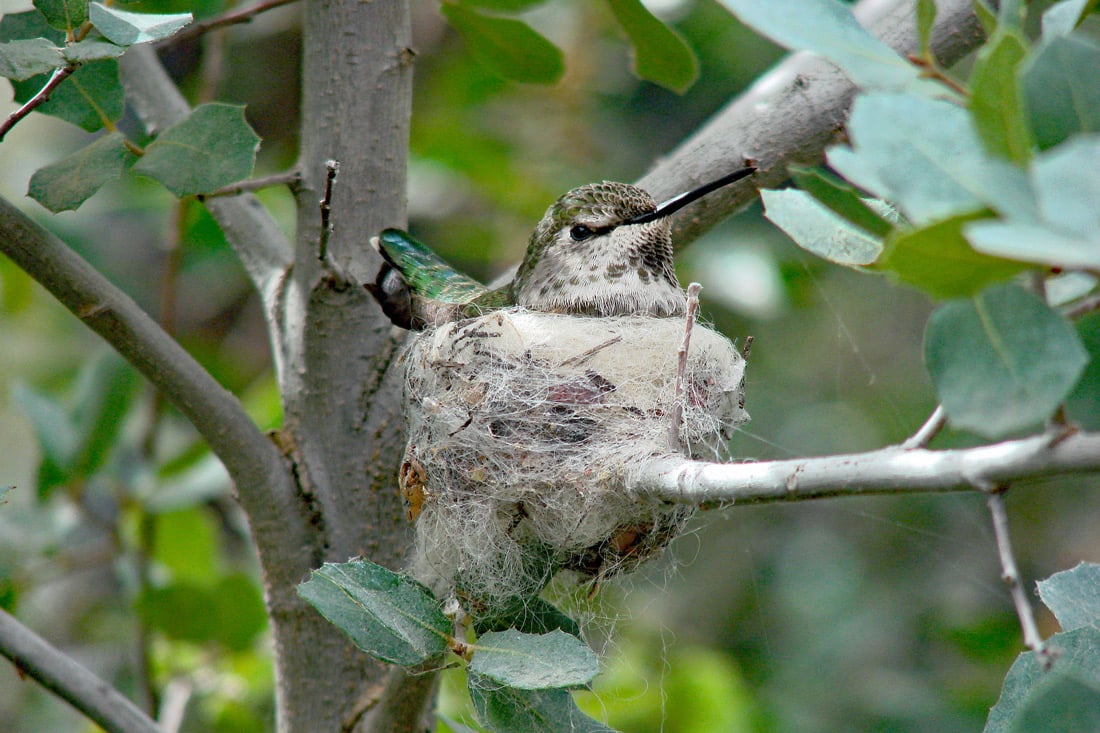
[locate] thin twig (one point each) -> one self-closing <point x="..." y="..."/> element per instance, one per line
<point x="676" y="440"/>
<point x="233" y="17"/>
<point x="43" y="95"/>
<point x="929" y="430"/>
<point x="1082" y="307"/>
<point x="38" y="659"/>
<point x="290" y="178"/>
<point x="332" y="168"/>
<point x="1011" y="576"/>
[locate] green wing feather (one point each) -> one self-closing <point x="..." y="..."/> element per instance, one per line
<point x="425" y="273"/>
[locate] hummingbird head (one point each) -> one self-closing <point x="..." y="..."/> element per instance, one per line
<point x="605" y="249"/>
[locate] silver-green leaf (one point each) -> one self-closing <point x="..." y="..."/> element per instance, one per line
<point x="68" y="183"/>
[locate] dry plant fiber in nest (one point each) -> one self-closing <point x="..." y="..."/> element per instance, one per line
<point x="522" y="427"/>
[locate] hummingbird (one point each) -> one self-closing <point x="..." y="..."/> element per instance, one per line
<point x="603" y="249"/>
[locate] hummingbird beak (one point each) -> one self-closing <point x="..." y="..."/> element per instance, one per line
<point x="678" y="202"/>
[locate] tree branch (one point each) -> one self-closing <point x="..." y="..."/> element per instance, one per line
<point x="263" y="482"/>
<point x="891" y="470"/>
<point x="232" y="17"/>
<point x="59" y="75"/>
<point x="57" y="672"/>
<point x="789" y="116"/>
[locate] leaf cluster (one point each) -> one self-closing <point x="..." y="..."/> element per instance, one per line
<point x="62" y="61"/>
<point x="525" y="659"/>
<point x="962" y="190"/>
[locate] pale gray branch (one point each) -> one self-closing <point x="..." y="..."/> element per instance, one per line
<point x="892" y="470"/>
<point x="263" y="249"/>
<point x="57" y="672"/>
<point x="1011" y="576"/>
<point x="789" y="116"/>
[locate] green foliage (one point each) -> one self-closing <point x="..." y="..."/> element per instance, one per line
<point x="128" y="29"/>
<point x="64" y="15"/>
<point x="504" y="709"/>
<point x="819" y="229"/>
<point x="534" y="661"/>
<point x="828" y="28"/>
<point x="1083" y="404"/>
<point x="660" y="54"/>
<point x="996" y="99"/>
<point x="1001" y="361"/>
<point x="531" y="616"/>
<point x="90" y="98"/>
<point x="213" y="147"/>
<point x="1061" y="694"/>
<point x="508" y="47"/>
<point x="22" y="59"/>
<point x="68" y="183"/>
<point x="387" y="615"/>
<point x="1061" y="84"/>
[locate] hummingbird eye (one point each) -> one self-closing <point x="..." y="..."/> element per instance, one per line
<point x="580" y="232"/>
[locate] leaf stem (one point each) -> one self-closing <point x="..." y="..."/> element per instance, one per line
<point x="929" y="430"/>
<point x="59" y="75"/>
<point x="291" y="178"/>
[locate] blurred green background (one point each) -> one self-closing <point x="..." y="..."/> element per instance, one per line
<point x="873" y="614"/>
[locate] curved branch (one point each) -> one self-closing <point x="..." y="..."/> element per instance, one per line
<point x="264" y="486"/>
<point x="790" y="114"/>
<point x="57" y="672"/>
<point x="892" y="470"/>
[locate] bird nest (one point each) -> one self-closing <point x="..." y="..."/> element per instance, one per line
<point x="522" y="429"/>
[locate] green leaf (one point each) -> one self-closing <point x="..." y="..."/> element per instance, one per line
<point x="92" y="48"/>
<point x="240" y="611"/>
<point x="28" y="25"/>
<point x="534" y="661"/>
<point x="926" y="18"/>
<point x="1062" y="89"/>
<point x="1066" y="181"/>
<point x="502" y="6"/>
<point x="105" y="392"/>
<point x="1011" y="13"/>
<point x="55" y="432"/>
<point x="126" y="28"/>
<point x="1083" y="404"/>
<point x="924" y="156"/>
<point x="842" y="199"/>
<point x="387" y="615"/>
<point x="507" y="47"/>
<point x="508" y="710"/>
<point x="1062" y="17"/>
<point x="68" y="183"/>
<point x="20" y="60"/>
<point x="987" y="16"/>
<point x="89" y="98"/>
<point x="212" y="148"/>
<point x="660" y="54"/>
<point x="996" y="99"/>
<point x="183" y="610"/>
<point x="1002" y="360"/>
<point x="1062" y="703"/>
<point x="531" y="616"/>
<point x="186" y="543"/>
<point x="819" y="230"/>
<point x="1074" y="596"/>
<point x="64" y="15"/>
<point x="828" y="28"/>
<point x="1028" y="682"/>
<point x="938" y="260"/>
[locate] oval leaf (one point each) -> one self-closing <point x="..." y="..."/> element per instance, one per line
<point x="127" y="29"/>
<point x="997" y="99"/>
<point x="1062" y="89"/>
<point x="828" y="28"/>
<point x="510" y="48"/>
<point x="91" y="97"/>
<point x="212" y="148"/>
<point x="508" y="710"/>
<point x="68" y="183"/>
<point x="1074" y="596"/>
<point x="389" y="616"/>
<point x="1001" y="361"/>
<point x="534" y="661"/>
<point x="64" y="15"/>
<point x="21" y="60"/>
<point x="660" y="54"/>
<point x="938" y="260"/>
<point x="1027" y="681"/>
<point x="817" y="229"/>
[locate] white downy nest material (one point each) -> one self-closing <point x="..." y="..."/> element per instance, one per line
<point x="522" y="427"/>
